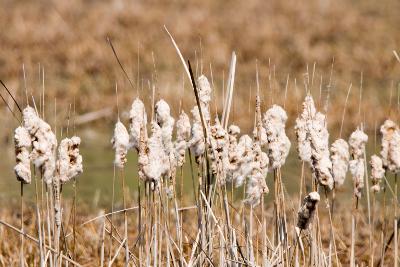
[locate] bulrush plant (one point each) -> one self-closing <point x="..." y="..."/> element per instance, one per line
<point x="22" y="143"/>
<point x="225" y="219"/>
<point x="390" y="154"/>
<point x="340" y="157"/>
<point x="36" y="144"/>
<point x="357" y="141"/>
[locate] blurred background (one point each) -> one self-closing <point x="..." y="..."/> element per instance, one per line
<point x="324" y="46"/>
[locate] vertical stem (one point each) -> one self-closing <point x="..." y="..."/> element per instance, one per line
<point x="396" y="252"/>
<point x="383" y="235"/>
<point x="373" y="230"/>
<point x="57" y="218"/>
<point x="102" y="243"/>
<point x="353" y="231"/>
<point x="74" y="221"/>
<point x="39" y="223"/>
<point x="125" y="219"/>
<point x="111" y="219"/>
<point x="22" y="264"/>
<point x="263" y="233"/>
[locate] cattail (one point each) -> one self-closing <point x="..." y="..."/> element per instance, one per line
<point x="69" y="163"/>
<point x="259" y="131"/>
<point x="219" y="151"/>
<point x="278" y="143"/>
<point x="154" y="159"/>
<point x="307" y="210"/>
<point x="182" y="138"/>
<point x="142" y="154"/>
<point x="233" y="156"/>
<point x="204" y="97"/>
<point x="320" y="161"/>
<point x="245" y="160"/>
<point x="22" y="141"/>
<point x="340" y="160"/>
<point x="44" y="143"/>
<point x="138" y="119"/>
<point x="390" y="146"/>
<point x="302" y="131"/>
<point x="197" y="142"/>
<point x="120" y="142"/>
<point x="166" y="123"/>
<point x="256" y="185"/>
<point x="377" y="172"/>
<point x="357" y="142"/>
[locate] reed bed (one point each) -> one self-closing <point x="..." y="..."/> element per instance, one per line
<point x="224" y="219"/>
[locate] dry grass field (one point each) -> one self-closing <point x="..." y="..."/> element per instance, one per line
<point x="197" y="192"/>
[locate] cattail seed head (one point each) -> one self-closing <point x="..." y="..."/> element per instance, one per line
<point x="357" y="142"/>
<point x="278" y="143"/>
<point x="219" y="152"/>
<point x="182" y="137"/>
<point x="120" y="142"/>
<point x="340" y="160"/>
<point x="256" y="185"/>
<point x="155" y="161"/>
<point x="44" y="143"/>
<point x="197" y="142"/>
<point x="69" y="163"/>
<point x="22" y="142"/>
<point x="390" y="146"/>
<point x="321" y="164"/>
<point x="204" y="97"/>
<point x="166" y="122"/>
<point x="307" y="210"/>
<point x="137" y="119"/>
<point x="245" y="160"/>
<point x="233" y="156"/>
<point x="302" y="131"/>
<point x="377" y="173"/>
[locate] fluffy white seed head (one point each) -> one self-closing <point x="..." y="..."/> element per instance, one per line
<point x="183" y="127"/>
<point x="390" y="146"/>
<point x="357" y="172"/>
<point x="166" y="122"/>
<point x="302" y="131"/>
<point x="155" y="161"/>
<point x="197" y="142"/>
<point x="30" y="119"/>
<point x="233" y="156"/>
<point x="233" y="130"/>
<point x="256" y="187"/>
<point x="307" y="210"/>
<point x="182" y="137"/>
<point x="278" y="143"/>
<point x="219" y="154"/>
<point x="44" y="143"/>
<point x="22" y="142"/>
<point x="204" y="96"/>
<point x="320" y="159"/>
<point x="357" y="142"/>
<point x="69" y="163"/>
<point x="377" y="172"/>
<point x="340" y="160"/>
<point x="245" y="160"/>
<point x="120" y="142"/>
<point x="137" y="119"/>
